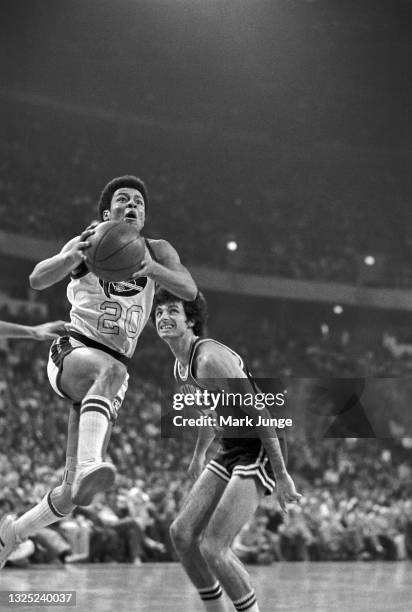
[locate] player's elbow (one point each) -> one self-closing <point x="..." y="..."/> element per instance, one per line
<point x="190" y="291"/>
<point x="191" y="296"/>
<point x="35" y="281"/>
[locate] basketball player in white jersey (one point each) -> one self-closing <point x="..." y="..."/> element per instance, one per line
<point x="227" y="492"/>
<point x="89" y="365"/>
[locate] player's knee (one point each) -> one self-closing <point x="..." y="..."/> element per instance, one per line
<point x="61" y="499"/>
<point x="113" y="374"/>
<point x="181" y="537"/>
<point x="206" y="548"/>
<point x="212" y="550"/>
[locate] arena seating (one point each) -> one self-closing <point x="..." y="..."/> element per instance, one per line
<point x="357" y="493"/>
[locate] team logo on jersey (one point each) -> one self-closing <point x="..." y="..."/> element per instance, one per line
<point x="123" y="288"/>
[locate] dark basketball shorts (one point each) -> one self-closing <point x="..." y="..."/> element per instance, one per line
<point x="241" y="461"/>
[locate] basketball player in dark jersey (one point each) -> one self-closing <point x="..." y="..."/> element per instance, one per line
<point x="227" y="492"/>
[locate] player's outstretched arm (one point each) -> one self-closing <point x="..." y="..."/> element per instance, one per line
<point x="220" y="365"/>
<point x="167" y="270"/>
<point x="52" y="270"/>
<point x="46" y="331"/>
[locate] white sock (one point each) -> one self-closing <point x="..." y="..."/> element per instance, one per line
<point x="38" y="517"/>
<point x="213" y="598"/>
<point x="46" y="512"/>
<point x="95" y="414"/>
<point x="247" y="603"/>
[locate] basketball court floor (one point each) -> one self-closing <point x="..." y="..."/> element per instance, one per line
<point x="281" y="587"/>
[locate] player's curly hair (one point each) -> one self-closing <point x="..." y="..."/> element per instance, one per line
<point x="127" y="180"/>
<point x="195" y="311"/>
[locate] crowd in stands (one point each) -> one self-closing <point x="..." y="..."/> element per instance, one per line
<point x="357" y="493"/>
<point x="291" y="215"/>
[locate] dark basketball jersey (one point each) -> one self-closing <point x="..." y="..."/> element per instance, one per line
<point x="188" y="382"/>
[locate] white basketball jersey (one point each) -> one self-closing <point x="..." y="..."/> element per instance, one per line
<point x="113" y="314"/>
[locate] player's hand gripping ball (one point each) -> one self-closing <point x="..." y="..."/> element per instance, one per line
<point x="116" y="251"/>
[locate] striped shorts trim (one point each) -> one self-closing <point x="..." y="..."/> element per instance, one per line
<point x="257" y="469"/>
<point x="218" y="469"/>
<point x="258" y="472"/>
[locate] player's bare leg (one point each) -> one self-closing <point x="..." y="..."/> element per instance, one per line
<point x="186" y="532"/>
<point x="244" y="494"/>
<point x="54" y="506"/>
<point x="93" y="378"/>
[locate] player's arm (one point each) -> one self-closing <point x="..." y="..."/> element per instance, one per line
<point x="46" y="331"/>
<point x="52" y="270"/>
<point x="167" y="270"/>
<point x="205" y="436"/>
<point x="221" y="366"/>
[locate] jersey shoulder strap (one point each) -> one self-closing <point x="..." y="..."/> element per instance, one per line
<point x="199" y="341"/>
<point x="176" y="371"/>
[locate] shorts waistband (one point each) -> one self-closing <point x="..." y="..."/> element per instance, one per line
<point x="101" y="347"/>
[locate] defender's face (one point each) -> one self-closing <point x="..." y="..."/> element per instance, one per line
<point x="171" y="321"/>
<point x="127" y="204"/>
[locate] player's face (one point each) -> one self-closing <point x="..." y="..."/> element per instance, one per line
<point x="171" y="321"/>
<point x="128" y="205"/>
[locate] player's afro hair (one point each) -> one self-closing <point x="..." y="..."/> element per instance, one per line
<point x="127" y="180"/>
<point x="195" y="310"/>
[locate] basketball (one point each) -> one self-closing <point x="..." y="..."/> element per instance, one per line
<point x="116" y="251"/>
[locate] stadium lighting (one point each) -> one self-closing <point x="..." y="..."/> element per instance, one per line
<point x="231" y="245"/>
<point x="369" y="260"/>
<point x="324" y="328"/>
<point x="337" y="309"/>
